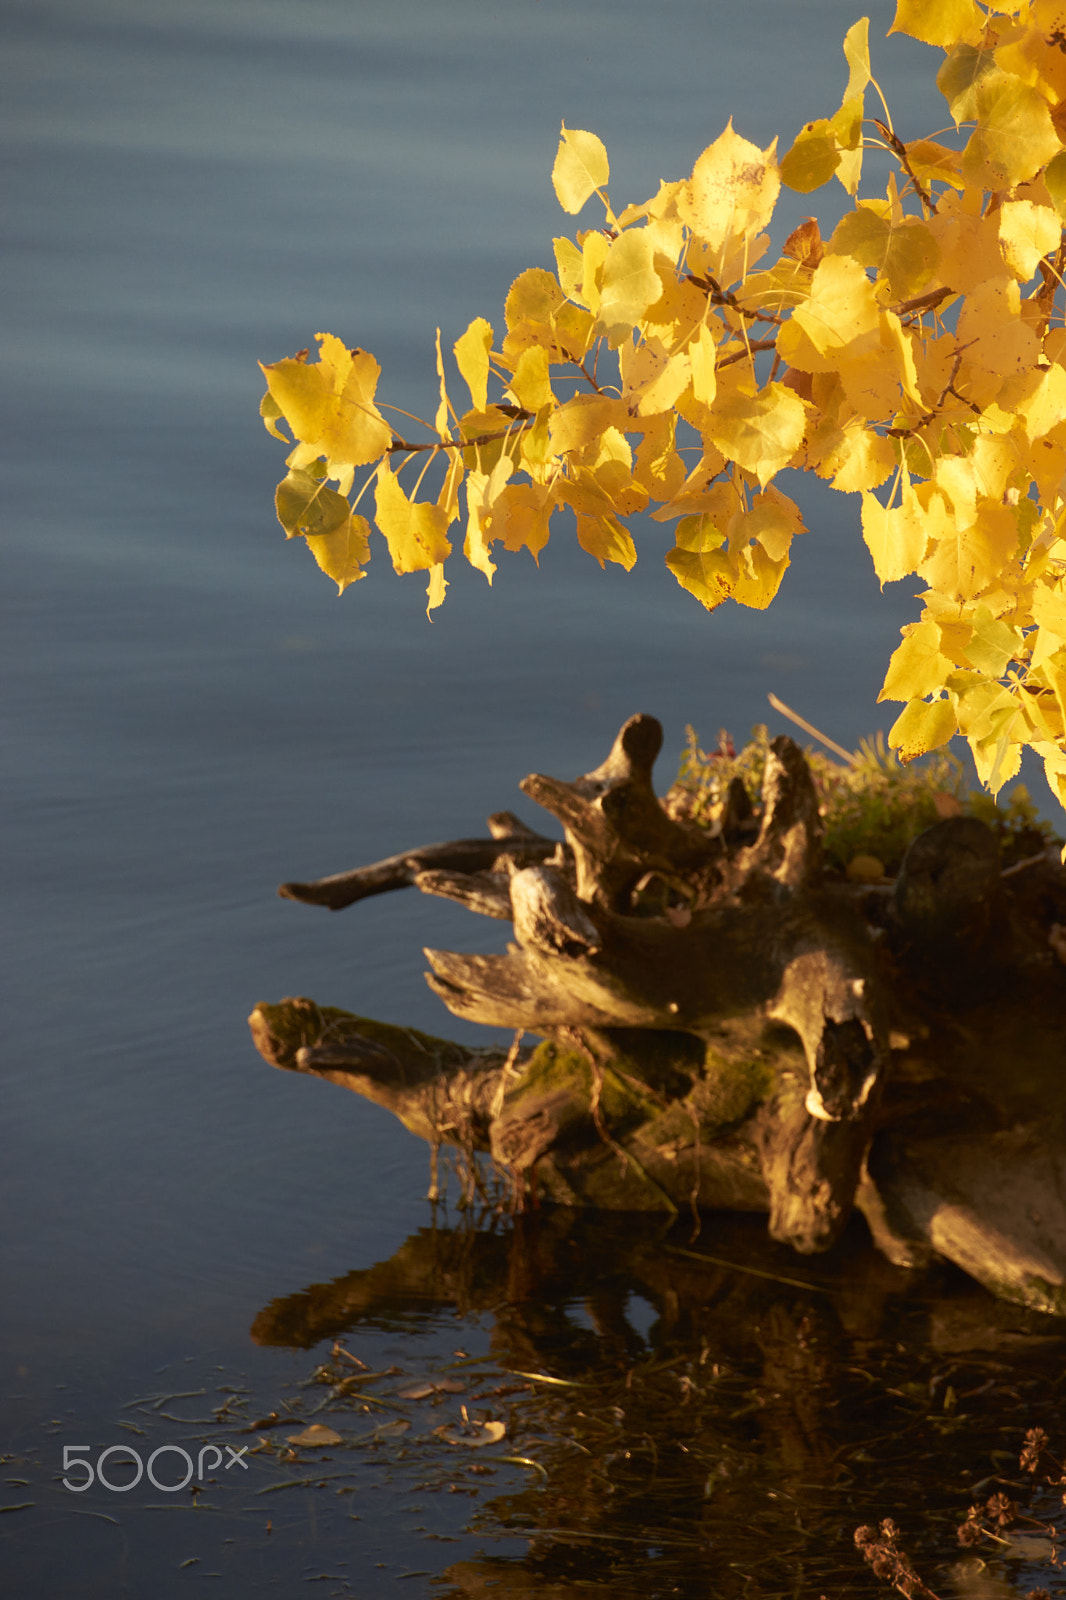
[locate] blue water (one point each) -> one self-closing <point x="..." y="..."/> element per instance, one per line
<point x="192" y="716"/>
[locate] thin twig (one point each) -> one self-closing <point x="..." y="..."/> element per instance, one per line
<point x="801" y="722"/>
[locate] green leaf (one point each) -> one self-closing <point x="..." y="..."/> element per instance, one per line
<point x="306" y="507"/>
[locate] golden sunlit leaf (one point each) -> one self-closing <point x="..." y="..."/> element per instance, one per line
<point x="530" y="385"/>
<point x="760" y="432"/>
<point x="520" y="516"/>
<point x="580" y="169"/>
<point x="472" y="358"/>
<point x="941" y="22"/>
<point x="534" y="298"/>
<point x="1027" y="232"/>
<point x="652" y="379"/>
<point x="343" y="552"/>
<point x="415" y="532"/>
<point x="629" y="283"/>
<point x="1014" y="136"/>
<point x="733" y="189"/>
<point x="759" y="577"/>
<point x="841" y="308"/>
<point x="964" y="562"/>
<point x="897" y="538"/>
<point x="774" y="520"/>
<point x="1055" y="178"/>
<point x="710" y="575"/>
<point x="812" y="159"/>
<point x="857" y="55"/>
<point x="918" y="667"/>
<point x="582" y="419"/>
<point x="904" y="252"/>
<point x="922" y="726"/>
<point x="991" y="328"/>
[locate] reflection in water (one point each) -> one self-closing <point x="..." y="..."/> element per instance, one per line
<point x="731" y="1448"/>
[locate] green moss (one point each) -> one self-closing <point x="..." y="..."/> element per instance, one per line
<point x="732" y="1087"/>
<point x="873" y="806"/>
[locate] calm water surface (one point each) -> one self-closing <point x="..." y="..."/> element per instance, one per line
<point x="191" y="716"/>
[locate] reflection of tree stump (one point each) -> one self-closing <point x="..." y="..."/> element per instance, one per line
<point x="719" y="1018"/>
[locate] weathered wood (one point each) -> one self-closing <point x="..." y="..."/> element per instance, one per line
<point x="717" y="1017"/>
<point x="614" y="823"/>
<point x="400" y="872"/>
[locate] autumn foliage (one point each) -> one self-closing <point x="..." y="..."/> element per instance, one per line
<point x="916" y="357"/>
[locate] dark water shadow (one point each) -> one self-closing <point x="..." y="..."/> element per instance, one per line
<point x="696" y="1416"/>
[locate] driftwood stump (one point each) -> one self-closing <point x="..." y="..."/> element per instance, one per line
<point x="724" y="1026"/>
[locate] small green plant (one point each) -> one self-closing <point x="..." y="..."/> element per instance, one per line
<point x="872" y="805"/>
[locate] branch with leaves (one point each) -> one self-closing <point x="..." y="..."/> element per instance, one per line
<point x="915" y="357"/>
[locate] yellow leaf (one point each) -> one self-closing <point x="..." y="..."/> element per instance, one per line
<point x="354" y="432"/>
<point x="629" y="282"/>
<point x="846" y="128"/>
<point x="759" y="577"/>
<point x="733" y="189"/>
<point x="875" y="368"/>
<point x="594" y="250"/>
<point x="440" y="421"/>
<point x="530" y="383"/>
<point x="956" y="477"/>
<point x="707" y="529"/>
<point x="1055" y="771"/>
<point x="932" y="162"/>
<point x="812" y="159"/>
<point x="942" y="22"/>
<point x="652" y="378"/>
<point x="329" y="405"/>
<point x="343" y="552"/>
<point x="415" y="533"/>
<point x="970" y="251"/>
<point x="520" y="516"/>
<point x="966" y="561"/>
<point x="472" y="358"/>
<point x="658" y="468"/>
<point x="918" y="667"/>
<point x="991" y="327"/>
<point x="598" y="529"/>
<point x="569" y="261"/>
<point x="760" y="432"/>
<point x="957" y="80"/>
<point x="904" y="253"/>
<point x="582" y="419"/>
<point x="855" y="458"/>
<point x="857" y="55"/>
<point x="1049" y="613"/>
<point x="710" y="575"/>
<point x="897" y="538"/>
<point x="1055" y="178"/>
<point x="922" y="726"/>
<point x="482" y="492"/>
<point x="1014" y="136"/>
<point x="841" y="308"/>
<point x="270" y="412"/>
<point x="533" y="299"/>
<point x="703" y="354"/>
<point x="435" y="589"/>
<point x="992" y="645"/>
<point x="1027" y="233"/>
<point x="774" y="520"/>
<point x="580" y="169"/>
